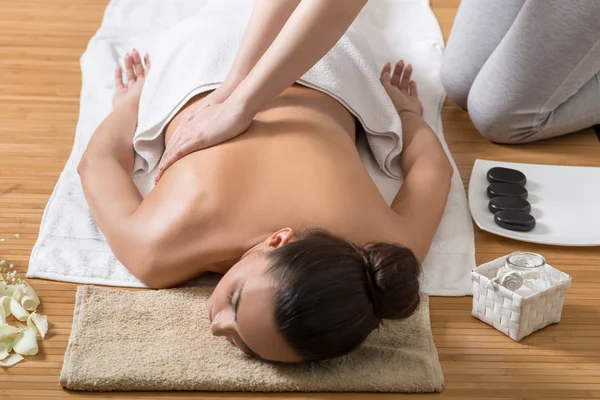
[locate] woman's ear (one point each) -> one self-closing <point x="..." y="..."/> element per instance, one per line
<point x="279" y="238"/>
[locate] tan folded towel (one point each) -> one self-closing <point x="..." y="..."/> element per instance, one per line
<point x="160" y="340"/>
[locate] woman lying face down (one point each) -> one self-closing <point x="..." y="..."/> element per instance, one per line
<point x="258" y="209"/>
<point x="312" y="297"/>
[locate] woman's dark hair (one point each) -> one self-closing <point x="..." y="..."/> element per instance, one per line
<point x="332" y="293"/>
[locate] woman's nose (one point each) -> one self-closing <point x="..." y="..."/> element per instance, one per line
<point x="223" y="324"/>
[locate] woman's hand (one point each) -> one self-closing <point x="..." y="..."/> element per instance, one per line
<point x="136" y="76"/>
<point x="401" y="89"/>
<point x="207" y="125"/>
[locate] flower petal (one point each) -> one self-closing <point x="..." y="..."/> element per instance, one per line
<point x="38" y="322"/>
<point x="11" y="361"/>
<point x="30" y="300"/>
<point x="4" y="308"/>
<point x="17" y="293"/>
<point x="17" y="310"/>
<point x="5" y="347"/>
<point x="7" y="290"/>
<point x="29" y="303"/>
<point x="26" y="342"/>
<point x="9" y="331"/>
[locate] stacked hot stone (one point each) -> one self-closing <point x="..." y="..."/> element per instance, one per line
<point x="508" y="202"/>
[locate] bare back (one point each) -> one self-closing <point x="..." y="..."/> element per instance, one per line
<point x="296" y="166"/>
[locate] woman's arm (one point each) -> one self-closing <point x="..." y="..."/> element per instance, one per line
<point x="105" y="168"/>
<point x="275" y="52"/>
<point x="427" y="172"/>
<point x="421" y="200"/>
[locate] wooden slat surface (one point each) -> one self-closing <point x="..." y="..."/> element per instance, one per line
<point x="40" y="45"/>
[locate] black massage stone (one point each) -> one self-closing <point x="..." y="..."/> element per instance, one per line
<point x="507" y="189"/>
<point x="514" y="220"/>
<point x="506" y="175"/>
<point x="500" y="203"/>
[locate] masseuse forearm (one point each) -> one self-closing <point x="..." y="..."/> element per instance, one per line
<point x="266" y="21"/>
<point x="310" y="32"/>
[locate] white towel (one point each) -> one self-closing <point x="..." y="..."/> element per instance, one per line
<point x="72" y="248"/>
<point x="186" y="65"/>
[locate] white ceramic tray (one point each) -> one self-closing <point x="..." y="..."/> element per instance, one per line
<point x="565" y="202"/>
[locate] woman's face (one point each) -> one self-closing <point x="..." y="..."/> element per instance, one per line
<point x="241" y="308"/>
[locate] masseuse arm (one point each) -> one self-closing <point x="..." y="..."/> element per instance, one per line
<point x="427" y="172"/>
<point x="266" y="21"/>
<point x="311" y="31"/>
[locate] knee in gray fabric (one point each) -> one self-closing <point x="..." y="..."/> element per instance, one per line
<point x="456" y="84"/>
<point x="498" y="123"/>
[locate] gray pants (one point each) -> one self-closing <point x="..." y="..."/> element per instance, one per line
<point x="525" y="69"/>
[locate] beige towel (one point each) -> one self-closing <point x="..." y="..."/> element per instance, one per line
<point x="160" y="340"/>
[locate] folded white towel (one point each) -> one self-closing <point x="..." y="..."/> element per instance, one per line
<point x="72" y="248"/>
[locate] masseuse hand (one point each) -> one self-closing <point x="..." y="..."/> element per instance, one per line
<point x="214" y="120"/>
<point x="401" y="89"/>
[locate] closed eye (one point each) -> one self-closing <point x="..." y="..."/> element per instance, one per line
<point x="235" y="302"/>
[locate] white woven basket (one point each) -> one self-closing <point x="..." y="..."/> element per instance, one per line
<point x="511" y="313"/>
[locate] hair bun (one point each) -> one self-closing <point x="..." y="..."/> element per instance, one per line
<point x="370" y="278"/>
<point x="392" y="279"/>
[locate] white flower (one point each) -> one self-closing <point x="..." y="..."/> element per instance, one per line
<point x="512" y="281"/>
<point x="2" y="262"/>
<point x="21" y="341"/>
<point x="2" y="239"/>
<point x="17" y="236"/>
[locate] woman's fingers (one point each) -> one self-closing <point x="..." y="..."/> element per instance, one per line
<point x="129" y="70"/>
<point x="119" y="77"/>
<point x="385" y="74"/>
<point x="397" y="73"/>
<point x="400" y="77"/>
<point x="413" y="89"/>
<point x="147" y="61"/>
<point x="404" y="83"/>
<point x="137" y="63"/>
<point x="134" y="68"/>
